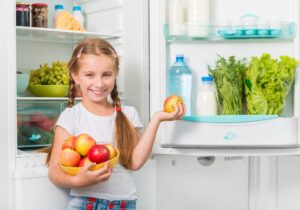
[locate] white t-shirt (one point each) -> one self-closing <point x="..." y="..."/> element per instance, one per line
<point x="77" y="120"/>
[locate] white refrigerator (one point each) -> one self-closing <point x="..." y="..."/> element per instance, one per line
<point x="191" y="166"/>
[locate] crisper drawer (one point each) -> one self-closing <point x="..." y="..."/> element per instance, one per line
<point x="273" y="133"/>
<point x="35" y="123"/>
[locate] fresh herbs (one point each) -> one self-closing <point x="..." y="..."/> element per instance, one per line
<point x="229" y="80"/>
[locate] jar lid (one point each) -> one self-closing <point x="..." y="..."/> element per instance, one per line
<point x="39" y="5"/>
<point x="22" y="4"/>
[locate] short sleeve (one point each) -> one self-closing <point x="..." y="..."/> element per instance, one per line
<point x="133" y="117"/>
<point x="66" y="120"/>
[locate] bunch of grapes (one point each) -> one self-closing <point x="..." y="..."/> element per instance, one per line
<point x="56" y="75"/>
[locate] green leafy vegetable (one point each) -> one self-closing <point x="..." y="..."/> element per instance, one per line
<point x="229" y="79"/>
<point x="268" y="82"/>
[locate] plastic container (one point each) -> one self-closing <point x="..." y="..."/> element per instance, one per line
<point x="78" y="15"/>
<point x="35" y="123"/>
<point x="58" y="8"/>
<point x="177" y="18"/>
<point x="22" y="14"/>
<point x="22" y="83"/>
<point x="198" y="18"/>
<point x="207" y="103"/>
<point x="39" y="12"/>
<point x="180" y="82"/>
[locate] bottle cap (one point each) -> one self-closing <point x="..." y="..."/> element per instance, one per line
<point x="76" y="8"/>
<point x="207" y="79"/>
<point x="180" y="56"/>
<point x="58" y="6"/>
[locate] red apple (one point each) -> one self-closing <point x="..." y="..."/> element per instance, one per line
<point x="171" y="102"/>
<point x="85" y="160"/>
<point x="69" y="143"/>
<point x="99" y="153"/>
<point x="83" y="144"/>
<point x="112" y="151"/>
<point x="69" y="157"/>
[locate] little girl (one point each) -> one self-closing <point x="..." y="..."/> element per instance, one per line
<point x="93" y="68"/>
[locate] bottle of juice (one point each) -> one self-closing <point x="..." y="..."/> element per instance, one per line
<point x="180" y="81"/>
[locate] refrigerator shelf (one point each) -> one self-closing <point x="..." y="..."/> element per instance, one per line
<point x="28" y="98"/>
<point x="229" y="118"/>
<point x="45" y="98"/>
<point x="215" y="32"/>
<point x="58" y="36"/>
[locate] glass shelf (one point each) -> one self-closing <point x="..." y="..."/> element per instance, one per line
<point x="56" y="35"/>
<point x="229" y="118"/>
<point x="20" y="98"/>
<point x="186" y="32"/>
<point x="29" y="98"/>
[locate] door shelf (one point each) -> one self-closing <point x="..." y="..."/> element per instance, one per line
<point x="287" y="31"/>
<point x="272" y="133"/>
<point x="56" y="35"/>
<point x="229" y="118"/>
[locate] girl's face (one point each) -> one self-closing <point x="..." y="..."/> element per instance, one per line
<point x="96" y="77"/>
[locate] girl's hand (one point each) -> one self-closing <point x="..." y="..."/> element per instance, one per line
<point x="86" y="177"/>
<point x="177" y="114"/>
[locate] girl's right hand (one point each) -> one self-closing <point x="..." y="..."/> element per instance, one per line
<point x="87" y="177"/>
<point x="177" y="114"/>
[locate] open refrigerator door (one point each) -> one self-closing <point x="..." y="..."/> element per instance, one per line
<point x="229" y="33"/>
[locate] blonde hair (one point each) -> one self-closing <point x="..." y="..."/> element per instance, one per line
<point x="126" y="135"/>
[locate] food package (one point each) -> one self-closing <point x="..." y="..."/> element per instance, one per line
<point x="65" y="20"/>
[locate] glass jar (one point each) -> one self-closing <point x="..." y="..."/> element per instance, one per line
<point x="39" y="12"/>
<point x="22" y="14"/>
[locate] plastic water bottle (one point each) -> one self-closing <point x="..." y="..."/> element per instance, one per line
<point x="78" y="15"/>
<point x="180" y="82"/>
<point x="207" y="103"/>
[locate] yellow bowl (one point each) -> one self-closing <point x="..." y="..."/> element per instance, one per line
<point x="74" y="170"/>
<point x="49" y="90"/>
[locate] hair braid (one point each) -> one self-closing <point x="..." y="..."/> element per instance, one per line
<point x="115" y="96"/>
<point x="72" y="90"/>
<point x="126" y="136"/>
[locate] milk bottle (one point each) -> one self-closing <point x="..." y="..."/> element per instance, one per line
<point x="198" y="18"/>
<point x="207" y="98"/>
<point x="177" y="17"/>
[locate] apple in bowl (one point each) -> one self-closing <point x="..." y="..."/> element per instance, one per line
<point x="83" y="144"/>
<point x="81" y="150"/>
<point x="75" y="169"/>
<point x="69" y="157"/>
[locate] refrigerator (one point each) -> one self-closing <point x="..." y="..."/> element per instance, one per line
<point x="191" y="166"/>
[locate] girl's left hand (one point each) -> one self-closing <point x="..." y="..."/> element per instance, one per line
<point x="177" y="114"/>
